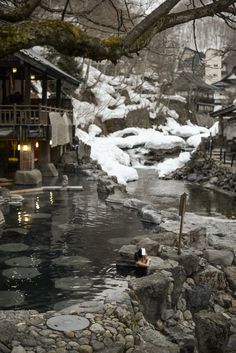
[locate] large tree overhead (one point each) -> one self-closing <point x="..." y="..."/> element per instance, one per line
<point x="26" y="23"/>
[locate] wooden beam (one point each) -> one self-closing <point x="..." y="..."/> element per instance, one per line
<point x="27" y="84"/>
<point x="44" y="89"/>
<point x="58" y="93"/>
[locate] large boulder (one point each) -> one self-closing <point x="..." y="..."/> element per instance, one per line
<point x="83" y="153"/>
<point x="198" y="238"/>
<point x="128" y="251"/>
<point x="49" y="170"/>
<point x="150" y="215"/>
<point x="198" y="297"/>
<point x="156" y="342"/>
<point x="28" y="177"/>
<point x="2" y="219"/>
<point x="183" y="337"/>
<point x="211" y="276"/>
<point x="152" y="292"/>
<point x="230" y="273"/>
<point x="212" y="332"/>
<point x="165" y="238"/>
<point x="219" y="257"/>
<point x="134" y="203"/>
<point x="151" y="246"/>
<point x="7" y="333"/>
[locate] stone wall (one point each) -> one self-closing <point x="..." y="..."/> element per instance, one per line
<point x="202" y="168"/>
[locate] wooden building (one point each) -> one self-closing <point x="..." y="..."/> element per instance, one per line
<point x="34" y="128"/>
<point x="227" y="126"/>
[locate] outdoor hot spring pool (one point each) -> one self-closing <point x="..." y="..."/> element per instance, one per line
<point x="60" y="247"/>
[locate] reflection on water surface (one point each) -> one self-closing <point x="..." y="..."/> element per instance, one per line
<point x="60" y="247"/>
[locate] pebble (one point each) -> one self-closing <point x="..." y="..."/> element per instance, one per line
<point x="103" y="332"/>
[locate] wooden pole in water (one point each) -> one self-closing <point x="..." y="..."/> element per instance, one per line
<point x="182" y="207"/>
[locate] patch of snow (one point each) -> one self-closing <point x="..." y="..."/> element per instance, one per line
<point x="171" y="164"/>
<point x="94" y="130"/>
<point x="175" y="98"/>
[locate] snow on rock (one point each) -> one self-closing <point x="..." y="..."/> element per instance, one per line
<point x="94" y="130"/>
<point x="112" y="159"/>
<point x="171" y="164"/>
<point x="149" y="138"/>
<point x="195" y="141"/>
<point x="174" y="128"/>
<point x="175" y="98"/>
<point x="165" y="142"/>
<point x="84" y="112"/>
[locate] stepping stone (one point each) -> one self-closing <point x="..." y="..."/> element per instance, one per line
<point x="10" y="298"/>
<point x="71" y="261"/>
<point x="13" y="247"/>
<point x="73" y="283"/>
<point x="23" y="261"/>
<point x="21" y="273"/>
<point x="67" y="323"/>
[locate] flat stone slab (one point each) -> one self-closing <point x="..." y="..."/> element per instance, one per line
<point x="62" y="188"/>
<point x="10" y="298"/>
<point x="23" y="261"/>
<point x="67" y="323"/>
<point x="76" y="261"/>
<point x="21" y="273"/>
<point x="92" y="306"/>
<point x="13" y="247"/>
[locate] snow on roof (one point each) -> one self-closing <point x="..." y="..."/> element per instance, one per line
<point x="32" y="55"/>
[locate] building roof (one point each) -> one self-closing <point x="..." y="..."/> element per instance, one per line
<point x="227" y="80"/>
<point x="33" y="58"/>
<point x="221" y="112"/>
<point x="189" y="81"/>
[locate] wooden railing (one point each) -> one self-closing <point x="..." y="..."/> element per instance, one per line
<point x="28" y="114"/>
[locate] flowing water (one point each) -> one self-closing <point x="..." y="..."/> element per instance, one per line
<point x="60" y="247"/>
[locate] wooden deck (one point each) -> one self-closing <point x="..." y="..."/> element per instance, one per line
<point x="18" y="115"/>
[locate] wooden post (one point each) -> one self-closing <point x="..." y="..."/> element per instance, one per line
<point x="182" y="207"/>
<point x="44" y="89"/>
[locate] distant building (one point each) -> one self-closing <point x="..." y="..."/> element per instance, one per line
<point x="199" y="95"/>
<point x="227" y="87"/>
<point x="213" y="66"/>
<point x="192" y="61"/>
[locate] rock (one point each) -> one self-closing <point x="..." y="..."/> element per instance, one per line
<point x="134" y="203"/>
<point x="2" y="219"/>
<point x="190" y="262"/>
<point x="152" y="292"/>
<point x="128" y="251"/>
<point x="212" y="332"/>
<point x="219" y="257"/>
<point x="85" y="349"/>
<point x="116" y="348"/>
<point x="198" y="297"/>
<point x="7" y="332"/>
<point x="179" y="276"/>
<point x="18" y="349"/>
<point x="150" y="215"/>
<point x="188" y="259"/>
<point x="65" y="181"/>
<point x="184" y="340"/>
<point x="198" y="238"/>
<point x="97" y="328"/>
<point x="151" y="246"/>
<point x="48" y="170"/>
<point x="165" y="238"/>
<point x="28" y="177"/>
<point x="230" y="273"/>
<point x="212" y="277"/>
<point x="192" y="177"/>
<point x="158" y="341"/>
